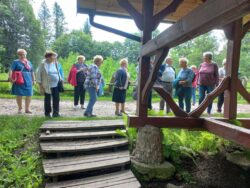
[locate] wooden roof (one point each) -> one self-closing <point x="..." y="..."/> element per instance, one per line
<point x="112" y="8"/>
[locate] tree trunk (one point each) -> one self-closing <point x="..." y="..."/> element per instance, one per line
<point x="149" y="149"/>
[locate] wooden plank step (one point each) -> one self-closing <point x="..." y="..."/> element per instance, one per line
<point x="123" y="179"/>
<point x="82" y="125"/>
<point x="72" y="165"/>
<point x="77" y="135"/>
<point x="77" y="146"/>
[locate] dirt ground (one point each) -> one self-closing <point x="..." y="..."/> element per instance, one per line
<point x="101" y="108"/>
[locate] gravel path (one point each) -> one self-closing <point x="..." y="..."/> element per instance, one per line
<point x="102" y="108"/>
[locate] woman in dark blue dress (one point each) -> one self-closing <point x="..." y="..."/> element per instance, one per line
<point x="25" y="89"/>
<point x="120" y="87"/>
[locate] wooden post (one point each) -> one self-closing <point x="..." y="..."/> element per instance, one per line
<point x="233" y="33"/>
<point x="144" y="65"/>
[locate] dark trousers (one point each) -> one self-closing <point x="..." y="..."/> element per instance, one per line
<point x="220" y="102"/>
<point x="186" y="95"/>
<point x="203" y="90"/>
<point x="55" y="101"/>
<point x="79" y="92"/>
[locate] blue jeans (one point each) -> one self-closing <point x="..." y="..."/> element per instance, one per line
<point x="194" y="95"/>
<point x="185" y="94"/>
<point x="92" y="99"/>
<point x="203" y="90"/>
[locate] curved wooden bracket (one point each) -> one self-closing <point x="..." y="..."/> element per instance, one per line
<point x="132" y="11"/>
<point x="210" y="97"/>
<point x="169" y="99"/>
<point x="244" y="93"/>
<point x="166" y="11"/>
<point x="153" y="74"/>
<point x="246" y="28"/>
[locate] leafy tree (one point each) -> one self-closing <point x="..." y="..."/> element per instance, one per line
<point x="59" y="20"/>
<point x="19" y="29"/>
<point x="45" y="19"/>
<point x="245" y="56"/>
<point x="75" y="42"/>
<point x="87" y="27"/>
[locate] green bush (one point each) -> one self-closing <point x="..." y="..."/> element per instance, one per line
<point x="4" y="86"/>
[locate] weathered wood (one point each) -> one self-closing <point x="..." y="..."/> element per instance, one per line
<point x="242" y="90"/>
<point x="71" y="165"/>
<point x="144" y="66"/>
<point x="210" y="97"/>
<point x="211" y="14"/>
<point x="246" y="28"/>
<point x="118" y="179"/>
<point x="82" y="125"/>
<point x="245" y="122"/>
<point x="77" y="135"/>
<point x="170" y="101"/>
<point x="79" y="146"/>
<point x="228" y="131"/>
<point x="166" y="122"/>
<point x="153" y="75"/>
<point x="171" y="8"/>
<point x="137" y="17"/>
<point x="233" y="60"/>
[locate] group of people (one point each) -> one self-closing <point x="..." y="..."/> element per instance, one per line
<point x="49" y="75"/>
<point x="89" y="78"/>
<point x="186" y="82"/>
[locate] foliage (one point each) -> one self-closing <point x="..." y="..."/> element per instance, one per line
<point x="194" y="49"/>
<point x="45" y="19"/>
<point x="59" y="20"/>
<point x="20" y="164"/>
<point x="19" y="29"/>
<point x="87" y="28"/>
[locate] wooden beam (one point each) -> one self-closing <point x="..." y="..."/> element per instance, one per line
<point x="132" y="11"/>
<point x="166" y="122"/>
<point x="170" y="101"/>
<point x="211" y="14"/>
<point x="233" y="60"/>
<point x="112" y="30"/>
<point x="228" y="131"/>
<point x="171" y="8"/>
<point x="144" y="66"/>
<point x="210" y="97"/>
<point x="242" y="90"/>
<point x="246" y="28"/>
<point x="153" y="74"/>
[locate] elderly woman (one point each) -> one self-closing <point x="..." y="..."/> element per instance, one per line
<point x="77" y="78"/>
<point x="25" y="70"/>
<point x="48" y="75"/>
<point x="183" y="84"/>
<point x="92" y="84"/>
<point x="208" y="78"/>
<point x="121" y="85"/>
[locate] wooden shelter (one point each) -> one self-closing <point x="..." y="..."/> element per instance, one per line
<point x="190" y="19"/>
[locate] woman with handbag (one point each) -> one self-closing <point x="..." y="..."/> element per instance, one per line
<point x="50" y="79"/>
<point x="121" y="85"/>
<point x="22" y="77"/>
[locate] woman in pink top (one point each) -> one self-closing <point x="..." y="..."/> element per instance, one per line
<point x="208" y="78"/>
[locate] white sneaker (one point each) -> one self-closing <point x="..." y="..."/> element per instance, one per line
<point x="75" y="107"/>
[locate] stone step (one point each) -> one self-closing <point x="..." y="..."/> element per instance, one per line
<point x="81" y="145"/>
<point x="70" y="135"/>
<point x="82" y="125"/>
<point x="87" y="163"/>
<point x="123" y="179"/>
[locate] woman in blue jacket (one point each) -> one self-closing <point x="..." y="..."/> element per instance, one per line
<point x="120" y="86"/>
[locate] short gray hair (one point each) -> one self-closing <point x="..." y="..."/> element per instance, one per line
<point x="183" y="59"/>
<point x="22" y="51"/>
<point x="208" y="54"/>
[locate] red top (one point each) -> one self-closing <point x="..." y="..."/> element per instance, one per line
<point x="72" y="76"/>
<point x="208" y="74"/>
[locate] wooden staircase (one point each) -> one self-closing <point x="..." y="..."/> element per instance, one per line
<point x="86" y="154"/>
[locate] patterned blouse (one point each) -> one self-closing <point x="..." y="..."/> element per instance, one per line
<point x="93" y="78"/>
